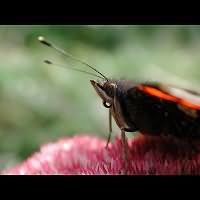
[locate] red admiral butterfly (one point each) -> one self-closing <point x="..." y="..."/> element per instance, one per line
<point x="152" y="108"/>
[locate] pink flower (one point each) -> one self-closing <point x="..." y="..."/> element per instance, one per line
<point x="87" y="155"/>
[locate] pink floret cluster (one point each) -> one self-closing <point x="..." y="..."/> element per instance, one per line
<point x="87" y="155"/>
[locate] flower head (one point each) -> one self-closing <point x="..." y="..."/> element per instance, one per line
<point x="88" y="155"/>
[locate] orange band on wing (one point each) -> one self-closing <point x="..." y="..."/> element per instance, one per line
<point x="156" y="92"/>
<point x="189" y="104"/>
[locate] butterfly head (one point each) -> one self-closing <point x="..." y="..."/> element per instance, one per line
<point x="105" y="90"/>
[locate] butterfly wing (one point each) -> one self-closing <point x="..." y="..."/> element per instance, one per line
<point x="183" y="97"/>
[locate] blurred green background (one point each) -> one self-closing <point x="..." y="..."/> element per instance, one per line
<point x="41" y="103"/>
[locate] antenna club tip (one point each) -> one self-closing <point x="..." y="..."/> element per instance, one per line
<point x="41" y="38"/>
<point x="48" y="62"/>
<point x="44" y="41"/>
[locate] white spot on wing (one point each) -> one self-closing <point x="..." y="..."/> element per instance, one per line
<point x="183" y="94"/>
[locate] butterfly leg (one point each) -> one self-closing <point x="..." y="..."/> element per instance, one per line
<point x="110" y="128"/>
<point x="125" y="149"/>
<point x="130" y="129"/>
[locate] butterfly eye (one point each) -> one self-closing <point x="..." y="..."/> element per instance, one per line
<point x="110" y="89"/>
<point x="106" y="104"/>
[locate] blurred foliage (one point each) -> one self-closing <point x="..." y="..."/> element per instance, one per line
<point x="41" y="103"/>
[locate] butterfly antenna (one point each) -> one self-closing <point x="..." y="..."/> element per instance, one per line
<point x="49" y="44"/>
<point x="72" y="68"/>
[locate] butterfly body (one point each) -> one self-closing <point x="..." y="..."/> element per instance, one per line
<point x="152" y="108"/>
